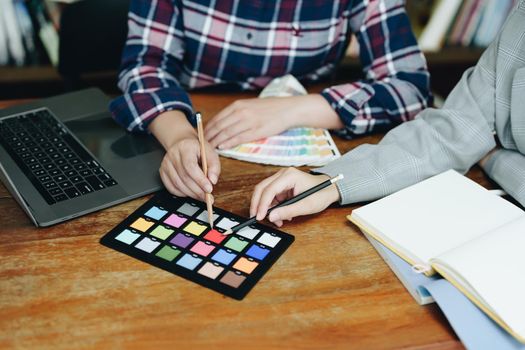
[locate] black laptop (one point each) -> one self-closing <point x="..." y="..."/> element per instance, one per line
<point x="64" y="156"/>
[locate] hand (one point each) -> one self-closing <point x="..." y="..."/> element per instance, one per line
<point x="180" y="170"/>
<point x="485" y="159"/>
<point x="181" y="173"/>
<point x="285" y="184"/>
<point x="253" y="119"/>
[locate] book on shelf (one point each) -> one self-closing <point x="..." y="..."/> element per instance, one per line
<point x="12" y="35"/>
<point x="433" y="35"/>
<point x="29" y="32"/>
<point x="450" y="225"/>
<point x="466" y="23"/>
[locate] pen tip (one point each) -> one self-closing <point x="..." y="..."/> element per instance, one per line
<point x="228" y="232"/>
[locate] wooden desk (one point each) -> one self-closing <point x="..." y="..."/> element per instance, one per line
<point x="59" y="288"/>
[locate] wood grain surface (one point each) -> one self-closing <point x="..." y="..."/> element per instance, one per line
<point x="59" y="288"/>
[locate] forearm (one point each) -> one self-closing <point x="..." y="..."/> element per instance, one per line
<point x="150" y="68"/>
<point x="434" y="142"/>
<point x="314" y="111"/>
<point x="397" y="83"/>
<point x="507" y="168"/>
<point x="170" y="127"/>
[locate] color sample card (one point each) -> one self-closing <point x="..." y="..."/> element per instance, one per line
<point x="294" y="147"/>
<point x="172" y="233"/>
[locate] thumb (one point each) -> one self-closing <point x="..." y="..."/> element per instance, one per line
<point x="287" y="212"/>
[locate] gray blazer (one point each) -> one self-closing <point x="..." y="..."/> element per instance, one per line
<point x="487" y="103"/>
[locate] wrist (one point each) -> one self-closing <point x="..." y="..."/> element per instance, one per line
<point x="315" y="111"/>
<point x="331" y="193"/>
<point x="171" y="127"/>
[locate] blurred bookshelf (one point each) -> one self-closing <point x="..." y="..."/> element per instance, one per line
<point x="452" y="33"/>
<point x="35" y="35"/>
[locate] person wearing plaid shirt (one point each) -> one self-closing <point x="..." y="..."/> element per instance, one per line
<point x="177" y="45"/>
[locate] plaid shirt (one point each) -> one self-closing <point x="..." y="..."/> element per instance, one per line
<point x="176" y="45"/>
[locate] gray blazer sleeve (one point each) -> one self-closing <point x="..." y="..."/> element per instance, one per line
<point x="455" y="137"/>
<point x="507" y="168"/>
<point x="488" y="100"/>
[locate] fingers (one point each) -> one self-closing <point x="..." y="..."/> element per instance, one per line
<point x="228" y="128"/>
<point x="288" y="212"/>
<point x="169" y="184"/>
<point x="283" y="183"/>
<point x="191" y="172"/>
<point x="180" y="170"/>
<point x="223" y="113"/>
<point x="258" y="190"/>
<point x="244" y="136"/>
<point x="240" y="129"/>
<point x="211" y="129"/>
<point x="177" y="181"/>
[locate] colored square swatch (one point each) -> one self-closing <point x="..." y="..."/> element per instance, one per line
<point x="248" y="232"/>
<point x="195" y="228"/>
<point x="236" y="244"/>
<point x="189" y="262"/>
<point x="210" y="270"/>
<point x="224" y="257"/>
<point x="127" y="236"/>
<point x="215" y="236"/>
<point x="141" y="224"/>
<point x="202" y="248"/>
<point x="147" y="244"/>
<point x="175" y="220"/>
<point x="257" y="252"/>
<point x="188" y="209"/>
<point x="232" y="279"/>
<point x="204" y="216"/>
<point x="269" y="240"/>
<point x="245" y="265"/>
<point x="156" y="213"/>
<point x="226" y="223"/>
<point x="161" y="232"/>
<point x="181" y="240"/>
<point x="168" y="253"/>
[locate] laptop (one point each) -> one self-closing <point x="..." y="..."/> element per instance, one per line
<point x="64" y="156"/>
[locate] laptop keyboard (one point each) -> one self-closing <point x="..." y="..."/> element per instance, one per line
<point x="55" y="163"/>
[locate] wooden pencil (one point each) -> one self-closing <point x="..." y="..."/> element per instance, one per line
<point x="204" y="164"/>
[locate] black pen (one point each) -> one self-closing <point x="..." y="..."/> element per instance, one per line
<point x="292" y="200"/>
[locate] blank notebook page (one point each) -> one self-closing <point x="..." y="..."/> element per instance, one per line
<point x="436" y="215"/>
<point x="493" y="265"/>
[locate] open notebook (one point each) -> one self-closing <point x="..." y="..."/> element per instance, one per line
<point x="473" y="238"/>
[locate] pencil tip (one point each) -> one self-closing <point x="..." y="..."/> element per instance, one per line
<point x="228" y="232"/>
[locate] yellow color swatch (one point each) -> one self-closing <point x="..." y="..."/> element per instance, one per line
<point x="194" y="228"/>
<point x="141" y="224"/>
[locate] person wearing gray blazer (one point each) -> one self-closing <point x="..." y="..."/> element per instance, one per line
<point x="482" y="120"/>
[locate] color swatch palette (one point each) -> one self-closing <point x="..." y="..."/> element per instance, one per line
<point x="294" y="147"/>
<point x="173" y="234"/>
